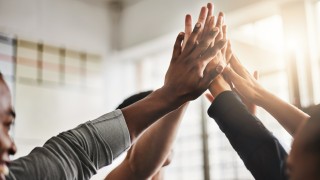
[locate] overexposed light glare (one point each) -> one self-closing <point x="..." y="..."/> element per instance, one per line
<point x="266" y="34"/>
<point x="316" y="73"/>
<point x="318" y="8"/>
<point x="269" y="33"/>
<point x="260" y="44"/>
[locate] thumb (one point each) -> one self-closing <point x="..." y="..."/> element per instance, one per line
<point x="232" y="75"/>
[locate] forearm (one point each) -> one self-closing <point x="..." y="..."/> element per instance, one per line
<point x="159" y="175"/>
<point x="77" y="153"/>
<point x="218" y="86"/>
<point x="289" y="116"/>
<point x="261" y="152"/>
<point x="145" y="112"/>
<point x="153" y="147"/>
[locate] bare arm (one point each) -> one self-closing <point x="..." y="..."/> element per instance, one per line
<point x="187" y="78"/>
<point x="289" y="116"/>
<point x="157" y="140"/>
<point x="151" y="150"/>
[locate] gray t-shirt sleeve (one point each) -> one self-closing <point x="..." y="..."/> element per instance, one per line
<point x="77" y="153"/>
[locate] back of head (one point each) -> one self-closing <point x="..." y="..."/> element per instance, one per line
<point x="314" y="143"/>
<point x="134" y="98"/>
<point x="310" y="137"/>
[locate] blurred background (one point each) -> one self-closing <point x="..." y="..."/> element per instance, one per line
<point x="69" y="61"/>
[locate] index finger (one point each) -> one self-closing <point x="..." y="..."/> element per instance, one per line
<point x="219" y="25"/>
<point x="202" y="16"/>
<point x="187" y="29"/>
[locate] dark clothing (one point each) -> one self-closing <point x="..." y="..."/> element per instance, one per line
<point x="260" y="151"/>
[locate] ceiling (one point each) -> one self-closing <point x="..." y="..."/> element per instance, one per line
<point x="125" y="2"/>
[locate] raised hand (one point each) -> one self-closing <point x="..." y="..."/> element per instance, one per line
<point x="188" y="24"/>
<point x="250" y="105"/>
<point x="188" y="75"/>
<point x="244" y="83"/>
<point x="220" y="84"/>
<point x="252" y="93"/>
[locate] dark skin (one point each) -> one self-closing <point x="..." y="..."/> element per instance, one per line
<point x="7" y="115"/>
<point x="188" y="76"/>
<point x="151" y="152"/>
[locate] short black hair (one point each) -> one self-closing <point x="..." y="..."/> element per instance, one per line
<point x="134" y="98"/>
<point x="314" y="121"/>
<point x="312" y="146"/>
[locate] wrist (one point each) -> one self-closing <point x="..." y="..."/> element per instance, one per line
<point x="262" y="97"/>
<point x="170" y="99"/>
<point x="216" y="91"/>
<point x="218" y="86"/>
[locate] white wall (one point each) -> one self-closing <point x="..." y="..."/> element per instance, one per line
<point x="71" y="23"/>
<point x="44" y="111"/>
<point x="80" y="25"/>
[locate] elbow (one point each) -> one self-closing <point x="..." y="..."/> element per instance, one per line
<point x="139" y="170"/>
<point x="168" y="161"/>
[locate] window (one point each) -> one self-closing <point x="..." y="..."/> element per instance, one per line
<point x="7" y="60"/>
<point x="316" y="70"/>
<point x="189" y="152"/>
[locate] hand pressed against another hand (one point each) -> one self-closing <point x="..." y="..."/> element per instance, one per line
<point x="252" y="107"/>
<point x="244" y="83"/>
<point x="205" y="15"/>
<point x="188" y="24"/>
<point x="252" y="94"/>
<point x="228" y="55"/>
<point x="219" y="61"/>
<point x="188" y="75"/>
<point x="219" y="84"/>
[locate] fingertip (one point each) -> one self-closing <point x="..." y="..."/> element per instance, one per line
<point x="188" y="16"/>
<point x="210" y="6"/>
<point x="188" y="20"/>
<point x="220" y="18"/>
<point x="204" y="9"/>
